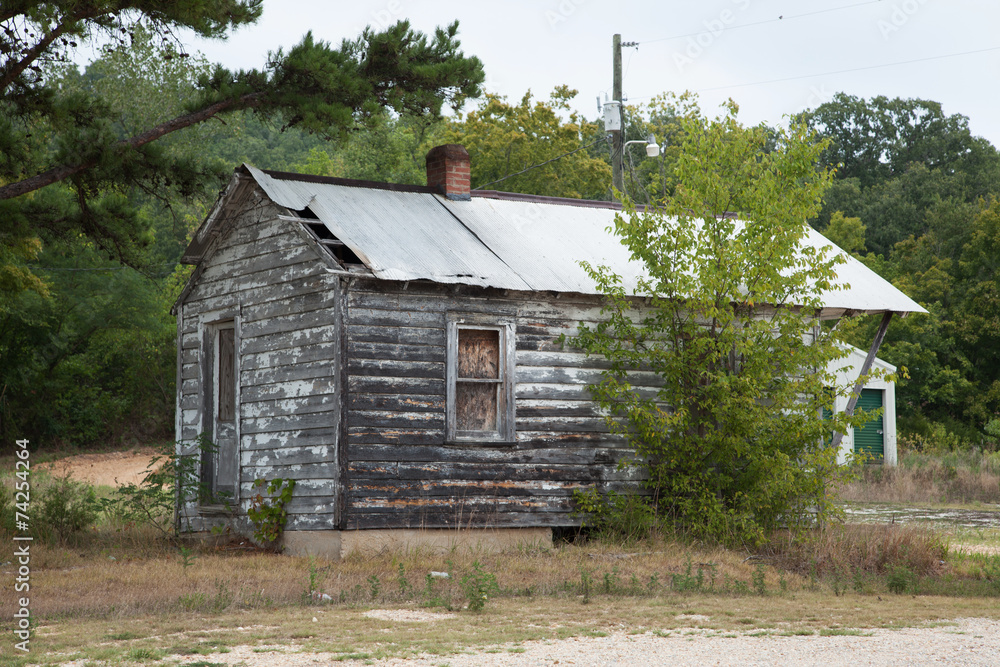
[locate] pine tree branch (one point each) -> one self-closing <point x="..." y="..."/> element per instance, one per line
<point x="11" y="72"/>
<point x="60" y="173"/>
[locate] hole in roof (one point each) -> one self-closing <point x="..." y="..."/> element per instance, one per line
<point x="321" y="231"/>
<point x="333" y="246"/>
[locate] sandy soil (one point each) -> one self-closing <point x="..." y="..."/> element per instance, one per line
<point x="104" y="469"/>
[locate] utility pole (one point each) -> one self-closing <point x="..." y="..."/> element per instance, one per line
<point x="618" y="135"/>
<point x="616" y="95"/>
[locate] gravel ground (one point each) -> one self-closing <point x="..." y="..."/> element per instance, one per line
<point x="969" y="641"/>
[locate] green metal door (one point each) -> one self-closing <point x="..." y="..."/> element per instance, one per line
<point x="868" y="439"/>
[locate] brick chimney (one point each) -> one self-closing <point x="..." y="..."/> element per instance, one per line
<point x="448" y="171"/>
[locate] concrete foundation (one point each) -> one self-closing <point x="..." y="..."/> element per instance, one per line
<point x="337" y="544"/>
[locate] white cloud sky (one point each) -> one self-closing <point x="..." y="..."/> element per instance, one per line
<point x="715" y="47"/>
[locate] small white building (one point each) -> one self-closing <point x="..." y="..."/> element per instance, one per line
<point x="878" y="436"/>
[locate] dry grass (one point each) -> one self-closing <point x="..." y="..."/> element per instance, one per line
<point x="954" y="477"/>
<point x="146" y="606"/>
<point x="126" y="595"/>
<point x="868" y="548"/>
<point x="346" y="632"/>
<point x="100" y="576"/>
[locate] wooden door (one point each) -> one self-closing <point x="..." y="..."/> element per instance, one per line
<point x="220" y="463"/>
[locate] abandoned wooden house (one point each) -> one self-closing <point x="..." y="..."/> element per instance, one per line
<point x="396" y="350"/>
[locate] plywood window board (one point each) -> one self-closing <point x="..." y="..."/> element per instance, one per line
<point x="480" y="405"/>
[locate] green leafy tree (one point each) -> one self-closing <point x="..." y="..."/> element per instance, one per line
<point x="65" y="165"/>
<point x="391" y="149"/>
<point x="895" y="160"/>
<point x="847" y="233"/>
<point x="874" y="140"/>
<point x="145" y="85"/>
<point x="732" y="443"/>
<point x="922" y="187"/>
<point x="93" y="360"/>
<point x="504" y="139"/>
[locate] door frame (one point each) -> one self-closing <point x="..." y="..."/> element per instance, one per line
<point x="210" y="324"/>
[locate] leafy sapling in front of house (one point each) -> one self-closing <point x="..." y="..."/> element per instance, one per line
<point x="727" y="316"/>
<point x="268" y="511"/>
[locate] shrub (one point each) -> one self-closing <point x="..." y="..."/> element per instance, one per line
<point x="267" y="512"/>
<point x="478" y="586"/>
<point x="615" y="517"/>
<point x="898" y="580"/>
<point x="64" y="508"/>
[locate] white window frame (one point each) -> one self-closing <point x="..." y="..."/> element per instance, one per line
<point x="505" y="431"/>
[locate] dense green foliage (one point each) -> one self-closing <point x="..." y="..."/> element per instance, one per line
<point x="915" y="197"/>
<point x="104" y="173"/>
<point x="504" y="139"/>
<point x="730" y="441"/>
<point x="61" y="507"/>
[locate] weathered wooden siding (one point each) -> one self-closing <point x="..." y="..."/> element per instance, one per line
<point x="400" y="471"/>
<point x="263" y="275"/>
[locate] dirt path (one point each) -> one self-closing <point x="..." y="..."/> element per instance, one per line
<point x="104" y="469"/>
<point x="968" y="641"/>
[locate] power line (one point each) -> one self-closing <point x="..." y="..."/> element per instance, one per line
<point x="844" y="71"/>
<point x="756" y="23"/>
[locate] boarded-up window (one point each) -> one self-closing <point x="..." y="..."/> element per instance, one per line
<point x="227" y="375"/>
<point x="480" y="381"/>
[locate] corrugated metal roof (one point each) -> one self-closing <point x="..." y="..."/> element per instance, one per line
<point x="862" y="289"/>
<point x="507" y="243"/>
<point x="544" y="243"/>
<point x="399" y="235"/>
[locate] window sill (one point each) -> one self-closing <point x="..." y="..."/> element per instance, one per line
<point x="216" y="510"/>
<point x="492" y="442"/>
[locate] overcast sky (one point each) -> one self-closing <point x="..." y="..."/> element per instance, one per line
<point x="774" y="57"/>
